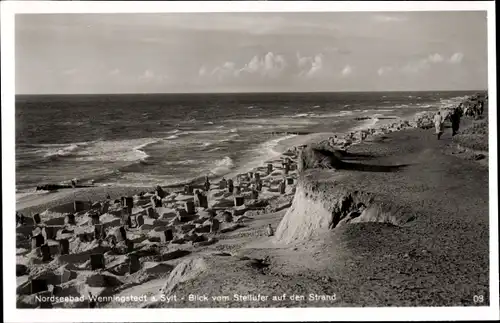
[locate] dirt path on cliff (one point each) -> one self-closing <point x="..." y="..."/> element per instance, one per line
<point x="440" y="258"/>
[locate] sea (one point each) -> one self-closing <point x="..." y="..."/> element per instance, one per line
<point x="171" y="139"/>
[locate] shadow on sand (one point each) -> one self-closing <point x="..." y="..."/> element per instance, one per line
<point x="372" y="168"/>
<point x="360" y="166"/>
<point x="352" y="156"/>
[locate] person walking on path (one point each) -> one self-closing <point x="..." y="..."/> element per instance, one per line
<point x="455" y="121"/>
<point x="438" y="123"/>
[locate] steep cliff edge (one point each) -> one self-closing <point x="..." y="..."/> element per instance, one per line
<point x="317" y="207"/>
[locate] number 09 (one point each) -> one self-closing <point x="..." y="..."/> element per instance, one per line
<point x="478" y="298"/>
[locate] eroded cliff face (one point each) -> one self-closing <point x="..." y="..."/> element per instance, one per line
<point x="319" y="206"/>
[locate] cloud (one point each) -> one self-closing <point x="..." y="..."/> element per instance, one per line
<point x="456" y="58"/>
<point x="267" y="67"/>
<point x="386" y="18"/>
<point x="310" y="65"/>
<point x="202" y="71"/>
<point x="384" y="70"/>
<point x="423" y="63"/>
<point x="317" y="65"/>
<point x="435" y="58"/>
<point x="270" y="65"/>
<point x="228" y="69"/>
<point x="346" y="71"/>
<point x="149" y="76"/>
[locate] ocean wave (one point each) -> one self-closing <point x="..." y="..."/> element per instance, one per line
<point x="146" y="144"/>
<point x="195" y="132"/>
<point x="333" y="115"/>
<point x="182" y="162"/>
<point x="270" y="122"/>
<point x="215" y="149"/>
<point x="98" y="178"/>
<point x="131" y="150"/>
<point x="227" y="140"/>
<point x="63" y="152"/>
<point x="72" y="123"/>
<point x="270" y="145"/>
<point x="399" y="106"/>
<point x="223" y="166"/>
<point x="367" y="124"/>
<point x="172" y="137"/>
<point x="265" y="151"/>
<point x="140" y="149"/>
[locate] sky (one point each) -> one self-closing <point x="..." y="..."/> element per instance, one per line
<point x="250" y="52"/>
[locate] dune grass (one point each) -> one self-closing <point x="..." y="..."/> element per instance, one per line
<point x="474" y="136"/>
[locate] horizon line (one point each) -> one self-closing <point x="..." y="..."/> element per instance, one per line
<point x="237" y="93"/>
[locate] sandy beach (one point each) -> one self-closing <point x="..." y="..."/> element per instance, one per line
<point x="290" y="237"/>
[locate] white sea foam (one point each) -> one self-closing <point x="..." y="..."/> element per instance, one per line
<point x="332" y="115"/>
<point x="215" y="149"/>
<point x="367" y="124"/>
<point x="116" y="151"/>
<point x="284" y="120"/>
<point x="195" y="132"/>
<point x="265" y="151"/>
<point x="61" y="152"/>
<point x="223" y="166"/>
<point x="183" y="162"/>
